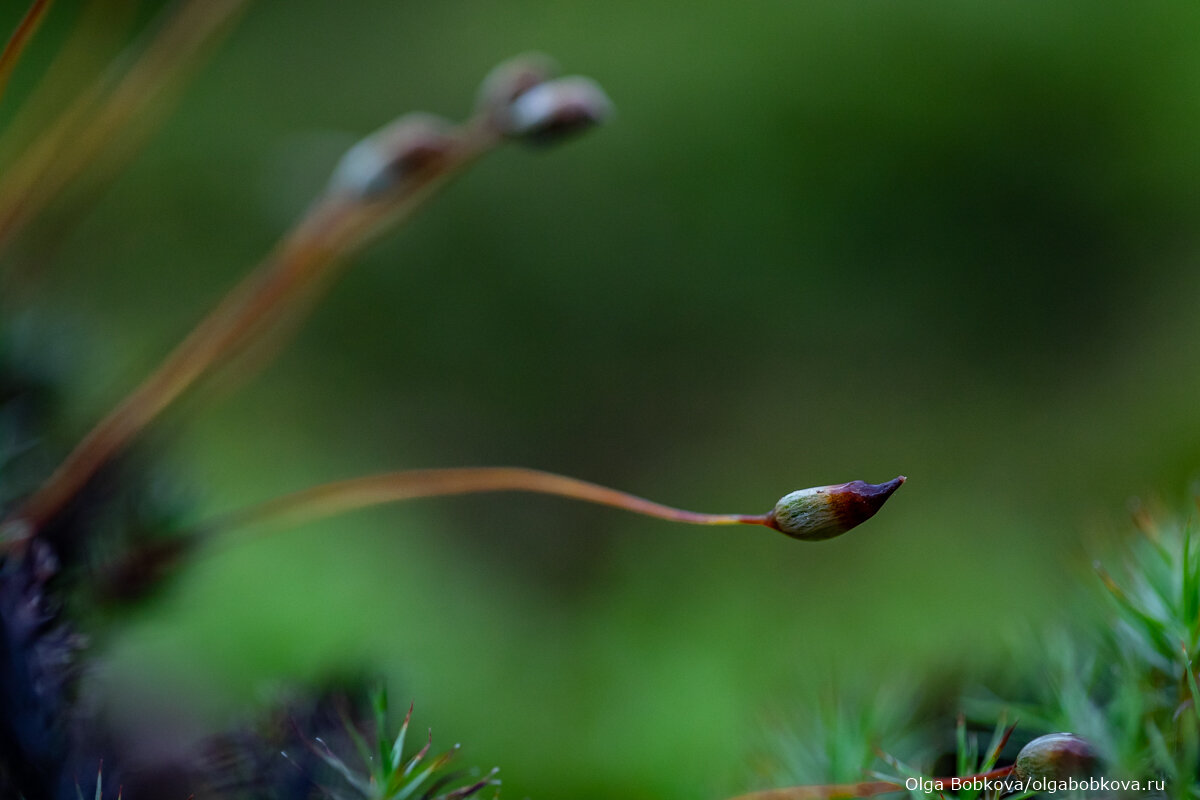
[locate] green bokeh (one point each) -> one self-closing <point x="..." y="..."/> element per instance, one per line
<point x="818" y="242"/>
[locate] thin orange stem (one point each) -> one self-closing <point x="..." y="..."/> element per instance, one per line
<point x="97" y="127"/>
<point x="227" y="324"/>
<point x="335" y="226"/>
<point x="998" y="772"/>
<point x="98" y="123"/>
<point x="334" y="498"/>
<point x="20" y="37"/>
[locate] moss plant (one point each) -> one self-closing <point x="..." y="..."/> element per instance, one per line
<point x="388" y="774"/>
<point x="1109" y="699"/>
<point x="86" y="534"/>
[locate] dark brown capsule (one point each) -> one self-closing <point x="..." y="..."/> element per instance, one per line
<point x="1056" y="756"/>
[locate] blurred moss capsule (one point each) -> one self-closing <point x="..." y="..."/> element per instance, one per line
<point x="379" y="163"/>
<point x="510" y="80"/>
<point x="555" y="110"/>
<point x="828" y="511"/>
<point x="1055" y="756"/>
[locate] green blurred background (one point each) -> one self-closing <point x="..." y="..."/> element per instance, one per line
<point x="818" y="242"/>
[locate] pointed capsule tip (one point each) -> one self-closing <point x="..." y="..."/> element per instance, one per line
<point x="856" y="502"/>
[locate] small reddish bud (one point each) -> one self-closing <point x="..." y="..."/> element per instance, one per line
<point x="828" y="511"/>
<point x="1056" y="756"/>
<point x="376" y="165"/>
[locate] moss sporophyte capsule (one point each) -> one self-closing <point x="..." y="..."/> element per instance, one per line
<point x="828" y="511"/>
<point x="1055" y="756"/>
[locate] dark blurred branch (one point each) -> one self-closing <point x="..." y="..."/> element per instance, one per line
<point x="334" y="498"/>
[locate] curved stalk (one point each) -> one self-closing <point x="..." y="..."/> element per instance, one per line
<point x="379" y="182"/>
<point x="99" y="128"/>
<point x="827" y="511"/>
<point x="335" y="226"/>
<point x="20" y="37"/>
<point x="334" y="498"/>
